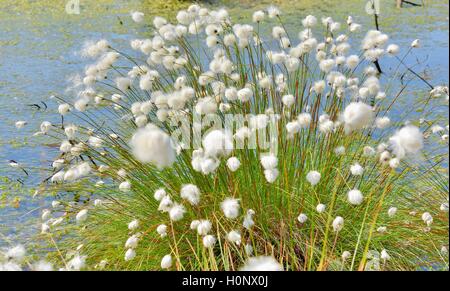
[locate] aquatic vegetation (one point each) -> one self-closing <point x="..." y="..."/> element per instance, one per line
<point x="213" y="147"/>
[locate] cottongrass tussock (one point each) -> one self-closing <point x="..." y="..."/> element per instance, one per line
<point x="338" y="161"/>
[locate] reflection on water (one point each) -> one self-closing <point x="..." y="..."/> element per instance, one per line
<point x="38" y="44"/>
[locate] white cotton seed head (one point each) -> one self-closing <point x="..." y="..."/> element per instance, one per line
<point x="63" y="109"/>
<point x="159" y="194"/>
<point x="125" y="186"/>
<point x="165" y="204"/>
<point x="233" y="164"/>
<point x="381" y="96"/>
<point x="293" y="127"/>
<point x="162" y="230"/>
<point x="338" y="224"/>
<point x="352" y="61"/>
<point x="191" y="193"/>
<point x="393" y="49"/>
<point x="248" y="219"/>
<point x="427" y="218"/>
<point x="346" y="255"/>
<point x="123" y="83"/>
<point x="288" y="100"/>
<point x="45" y="228"/>
<point x="357" y="115"/>
<point x="356" y="170"/>
<point x="184" y="17"/>
<point x="133" y="225"/>
<point x="166" y="262"/>
<point x="384" y="255"/>
<point x="231" y="94"/>
<point x="326" y="126"/>
<point x="408" y="140"/>
<point x="194" y="224"/>
<point x="392" y="211"/>
<point x="229" y="39"/>
<point x="130" y="254"/>
<point x="58" y="177"/>
<point x="327" y="65"/>
<point x="159" y="22"/>
<point x="382" y="229"/>
<point x="16" y="253"/>
<point x="230" y="208"/>
<point x="269" y="161"/>
<point x="309" y="21"/>
<point x="302" y="218"/>
<point x="394" y="163"/>
<point x="304" y="119"/>
<point x="45" y="126"/>
<point x="209" y="165"/>
<point x="82" y="216"/>
<point x="271" y="175"/>
<point x="70" y="131"/>
<point x="132" y="242"/>
<point x="234" y="236"/>
<point x="217" y="143"/>
<point x="415" y="43"/>
<point x="319" y="86"/>
<point x="137" y="16"/>
<point x="259" y="121"/>
<point x="320" y="208"/>
<point x="355" y="197"/>
<point x="278" y="32"/>
<point x="209" y="241"/>
<point x="373" y="86"/>
<point x="152" y="145"/>
<point x="46" y="215"/>
<point x="273" y="11"/>
<point x="258" y="16"/>
<point x="81" y="104"/>
<point x="212" y="41"/>
<point x="204" y="227"/>
<point x="313" y="177"/>
<point x="98" y="202"/>
<point x="244" y="94"/>
<point x="177" y="211"/>
<point x="354" y="27"/>
<point x="382" y="122"/>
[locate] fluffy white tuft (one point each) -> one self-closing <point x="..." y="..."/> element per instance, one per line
<point x="408" y="140"/>
<point x="355" y="197"/>
<point x="230" y="208"/>
<point x="313" y="177"/>
<point x="152" y="145"/>
<point x="357" y="115"/>
<point x="190" y="193"/>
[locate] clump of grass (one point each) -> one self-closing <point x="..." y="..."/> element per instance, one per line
<point x="315" y="127"/>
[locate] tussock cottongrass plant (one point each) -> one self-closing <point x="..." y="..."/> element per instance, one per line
<point x="211" y="146"/>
